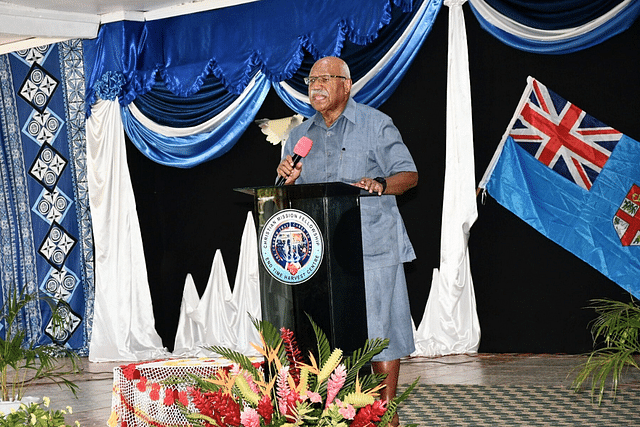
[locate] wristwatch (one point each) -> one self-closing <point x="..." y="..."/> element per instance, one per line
<point x="382" y="181"/>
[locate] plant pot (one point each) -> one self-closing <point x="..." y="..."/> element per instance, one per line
<point x="7" y="405"/>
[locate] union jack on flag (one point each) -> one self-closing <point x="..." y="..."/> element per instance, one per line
<point x="562" y="136"/>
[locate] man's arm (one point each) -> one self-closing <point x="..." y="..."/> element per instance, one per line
<point x="396" y="184"/>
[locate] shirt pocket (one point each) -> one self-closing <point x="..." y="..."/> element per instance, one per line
<point x="353" y="164"/>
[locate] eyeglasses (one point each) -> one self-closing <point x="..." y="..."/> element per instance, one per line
<point x="321" y="79"/>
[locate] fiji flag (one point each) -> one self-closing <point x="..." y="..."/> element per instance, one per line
<point x="575" y="180"/>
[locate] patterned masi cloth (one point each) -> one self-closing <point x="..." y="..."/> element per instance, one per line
<point x="45" y="227"/>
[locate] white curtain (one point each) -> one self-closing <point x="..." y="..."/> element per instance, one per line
<point x="123" y="322"/>
<point x="246" y="291"/>
<point x="450" y="323"/>
<point x="221" y="317"/>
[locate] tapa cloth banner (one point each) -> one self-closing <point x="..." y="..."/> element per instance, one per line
<point x="46" y="244"/>
<point x="575" y="180"/>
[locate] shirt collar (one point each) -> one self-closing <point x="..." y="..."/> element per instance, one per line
<point x="349" y="113"/>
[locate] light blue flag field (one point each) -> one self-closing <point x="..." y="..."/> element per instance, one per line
<point x="575" y="180"/>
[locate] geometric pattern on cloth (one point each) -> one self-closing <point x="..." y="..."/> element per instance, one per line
<point x="48" y="166"/>
<point x="57" y="245"/>
<point x="35" y="54"/>
<point x="60" y="285"/>
<point x="65" y="325"/>
<point x="38" y="87"/>
<point x="42" y="127"/>
<point x="71" y="59"/>
<point x="52" y="206"/>
<point x="509" y="405"/>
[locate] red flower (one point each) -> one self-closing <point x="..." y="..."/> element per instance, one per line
<point x="170" y="396"/>
<point x="369" y="414"/>
<point x="154" y="394"/>
<point x="292" y="399"/>
<point x="130" y="372"/>
<point x="293" y="353"/>
<point x="183" y="398"/>
<point x="142" y="385"/>
<point x="265" y="409"/>
<point x="219" y="406"/>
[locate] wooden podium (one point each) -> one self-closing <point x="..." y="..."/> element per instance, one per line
<point x="310" y="250"/>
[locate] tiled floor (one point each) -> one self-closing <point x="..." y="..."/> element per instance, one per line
<point x="93" y="405"/>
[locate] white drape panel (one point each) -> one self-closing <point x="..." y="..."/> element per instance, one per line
<point x="221" y="317"/>
<point x="123" y="322"/>
<point x="246" y="291"/>
<point x="190" y="334"/>
<point x="206" y="321"/>
<point x="218" y="307"/>
<point x="450" y="323"/>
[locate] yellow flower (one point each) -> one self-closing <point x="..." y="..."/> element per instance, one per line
<point x="33" y="419"/>
<point x="70" y="409"/>
<point x="46" y="401"/>
<point x="77" y="423"/>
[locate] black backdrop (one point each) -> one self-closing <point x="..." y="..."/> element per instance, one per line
<point x="531" y="294"/>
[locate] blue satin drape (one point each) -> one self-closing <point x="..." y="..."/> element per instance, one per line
<point x="189" y="151"/>
<point x="167" y="109"/>
<point x="231" y="43"/>
<point x="183" y="71"/>
<point x="550" y="14"/>
<point x="553" y="14"/>
<point x="362" y="59"/>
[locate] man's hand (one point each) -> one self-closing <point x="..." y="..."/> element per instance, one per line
<point x="370" y="185"/>
<point x="287" y="170"/>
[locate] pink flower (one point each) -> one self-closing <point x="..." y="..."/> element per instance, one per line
<point x="336" y="381"/>
<point x="347" y="411"/>
<point x="250" y="418"/>
<point x="314" y="397"/>
<point x="283" y="389"/>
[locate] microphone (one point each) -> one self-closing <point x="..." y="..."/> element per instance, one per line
<point x="301" y="150"/>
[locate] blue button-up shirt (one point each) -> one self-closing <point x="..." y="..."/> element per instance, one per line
<point x="363" y="142"/>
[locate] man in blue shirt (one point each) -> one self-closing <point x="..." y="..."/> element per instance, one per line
<point x="359" y="145"/>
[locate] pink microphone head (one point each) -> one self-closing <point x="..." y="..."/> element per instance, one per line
<point x="303" y="147"/>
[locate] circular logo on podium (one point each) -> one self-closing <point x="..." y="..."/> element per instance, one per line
<point x="291" y="246"/>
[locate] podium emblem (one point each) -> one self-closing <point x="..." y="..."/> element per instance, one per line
<point x="291" y="246"/>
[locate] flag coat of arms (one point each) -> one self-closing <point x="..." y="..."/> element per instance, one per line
<point x="575" y="180"/>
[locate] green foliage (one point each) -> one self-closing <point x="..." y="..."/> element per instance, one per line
<point x="393" y="405"/>
<point x="21" y="364"/>
<point x="35" y="415"/>
<point x="615" y="334"/>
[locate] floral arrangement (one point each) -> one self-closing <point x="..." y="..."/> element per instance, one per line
<point x="286" y="391"/>
<point x="35" y="415"/>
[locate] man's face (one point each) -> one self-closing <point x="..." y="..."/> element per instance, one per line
<point x="330" y="96"/>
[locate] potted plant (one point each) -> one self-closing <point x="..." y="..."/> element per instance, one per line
<point x="615" y="336"/>
<point x="24" y="363"/>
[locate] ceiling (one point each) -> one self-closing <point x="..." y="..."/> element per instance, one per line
<point x="30" y="23"/>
